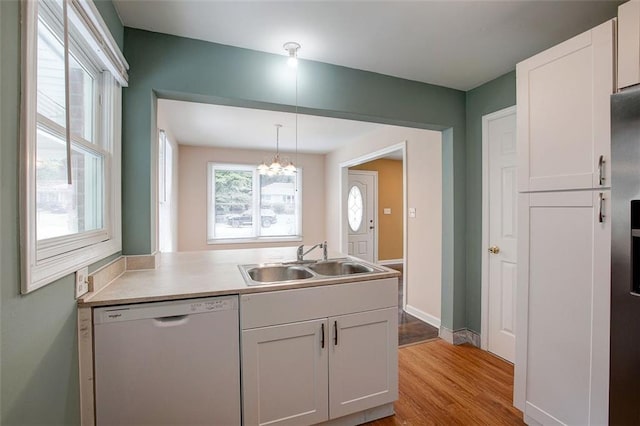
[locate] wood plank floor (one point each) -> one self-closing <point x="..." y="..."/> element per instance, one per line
<point x="443" y="384"/>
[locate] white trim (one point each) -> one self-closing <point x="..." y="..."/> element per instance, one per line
<point x="423" y="316"/>
<point x="390" y="262"/>
<point x="484" y="310"/>
<point x="89" y="22"/>
<point x="343" y="169"/>
<point x="37" y="271"/>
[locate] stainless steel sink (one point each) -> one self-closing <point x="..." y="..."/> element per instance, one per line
<point x="293" y="272"/>
<point x="339" y="267"/>
<point x="270" y="274"/>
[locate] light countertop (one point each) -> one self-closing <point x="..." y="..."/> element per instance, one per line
<point x="185" y="275"/>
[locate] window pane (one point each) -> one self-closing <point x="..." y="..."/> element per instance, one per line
<point x="64" y="209"/>
<point x="354" y="205"/>
<point x="278" y="204"/>
<point x="81" y="100"/>
<point x="50" y="80"/>
<point x="233" y="203"/>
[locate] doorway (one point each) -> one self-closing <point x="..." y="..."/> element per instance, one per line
<point x="499" y="232"/>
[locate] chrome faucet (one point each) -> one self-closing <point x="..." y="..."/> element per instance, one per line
<point x="301" y="253"/>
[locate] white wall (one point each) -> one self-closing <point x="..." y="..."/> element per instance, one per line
<point x="169" y="230"/>
<point x="192" y="170"/>
<point x="423" y="262"/>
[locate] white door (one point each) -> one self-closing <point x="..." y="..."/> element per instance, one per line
<point x="500" y="131"/>
<point x="361" y="214"/>
<point x="564" y="130"/>
<point x="363" y="361"/>
<point x="284" y="374"/>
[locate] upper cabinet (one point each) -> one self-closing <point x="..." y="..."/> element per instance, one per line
<point x="629" y="44"/>
<point x="564" y="135"/>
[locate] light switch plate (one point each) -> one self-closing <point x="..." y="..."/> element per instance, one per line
<point x="412" y="212"/>
<point x="386" y="210"/>
<point x="82" y="281"/>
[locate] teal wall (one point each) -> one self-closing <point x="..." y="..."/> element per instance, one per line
<point x="38" y="343"/>
<point x="111" y="18"/>
<point x="179" y="68"/>
<point x="490" y="97"/>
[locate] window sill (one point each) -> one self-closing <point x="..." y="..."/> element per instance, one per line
<point x="295" y="238"/>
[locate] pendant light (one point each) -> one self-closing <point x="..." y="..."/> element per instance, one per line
<point x="286" y="167"/>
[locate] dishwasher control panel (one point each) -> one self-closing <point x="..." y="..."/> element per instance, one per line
<point x="157" y="310"/>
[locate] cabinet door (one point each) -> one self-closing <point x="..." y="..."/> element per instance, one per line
<point x="363" y="362"/>
<point x="563" y="307"/>
<point x="284" y="374"/>
<point x="629" y="44"/>
<point x="563" y="114"/>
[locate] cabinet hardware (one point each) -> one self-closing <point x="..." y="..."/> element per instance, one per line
<point x="335" y="333"/>
<point x="600" y="202"/>
<point x="601" y="170"/>
<point x="322" y="338"/>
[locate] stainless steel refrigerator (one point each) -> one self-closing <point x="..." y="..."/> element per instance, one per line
<point x="624" y="379"/>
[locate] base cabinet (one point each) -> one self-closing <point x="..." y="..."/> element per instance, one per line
<point x="314" y="370"/>
<point x="285" y="374"/>
<point x="363" y="361"/>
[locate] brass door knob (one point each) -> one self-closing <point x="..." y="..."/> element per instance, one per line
<point x="494" y="249"/>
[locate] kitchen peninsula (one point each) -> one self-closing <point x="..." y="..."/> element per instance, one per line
<point x="321" y="349"/>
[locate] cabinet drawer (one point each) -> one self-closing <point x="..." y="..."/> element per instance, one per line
<point x="281" y="307"/>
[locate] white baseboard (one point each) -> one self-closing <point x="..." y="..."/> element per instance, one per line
<point x="423" y="316"/>
<point x="390" y="262"/>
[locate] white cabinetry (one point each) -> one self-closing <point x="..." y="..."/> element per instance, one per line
<point x="285" y="374"/>
<point x="629" y="44"/>
<point x="321" y="353"/>
<point x="563" y="293"/>
<point x="563" y="114"/>
<point x="562" y="354"/>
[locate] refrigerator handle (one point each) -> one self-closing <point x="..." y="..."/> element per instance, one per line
<point x="600" y="202"/>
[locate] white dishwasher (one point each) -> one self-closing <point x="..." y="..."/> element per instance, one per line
<point x="168" y="363"/>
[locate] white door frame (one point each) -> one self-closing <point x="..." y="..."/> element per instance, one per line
<point x="484" y="312"/>
<point x="342" y="202"/>
<point x="374" y="174"/>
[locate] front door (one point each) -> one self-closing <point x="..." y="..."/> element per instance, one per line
<point x="501" y="138"/>
<point x="361" y="197"/>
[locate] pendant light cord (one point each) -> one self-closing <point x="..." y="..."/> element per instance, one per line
<point x="296" y="154"/>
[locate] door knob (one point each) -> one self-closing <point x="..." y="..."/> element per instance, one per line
<point x="494" y="249"/>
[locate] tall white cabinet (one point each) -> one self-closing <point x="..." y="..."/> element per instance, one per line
<point x="563" y="301"/>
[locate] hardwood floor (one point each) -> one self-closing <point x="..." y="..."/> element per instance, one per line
<point x="443" y="384"/>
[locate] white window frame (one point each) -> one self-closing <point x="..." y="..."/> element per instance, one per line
<point x="211" y="167"/>
<point x="48" y="260"/>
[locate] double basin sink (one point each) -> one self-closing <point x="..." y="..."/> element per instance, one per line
<point x="303" y="271"/>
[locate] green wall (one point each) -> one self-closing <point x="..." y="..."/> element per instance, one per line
<point x="38" y="343"/>
<point x="490" y="97"/>
<point x="179" y="68"/>
<point x="110" y="16"/>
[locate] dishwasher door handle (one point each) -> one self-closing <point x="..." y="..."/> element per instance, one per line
<point x="172" y="321"/>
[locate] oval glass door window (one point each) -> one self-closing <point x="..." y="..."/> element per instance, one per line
<point x="354" y="203"/>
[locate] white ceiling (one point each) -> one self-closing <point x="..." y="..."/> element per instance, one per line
<point x="232" y="127"/>
<point x="457" y="44"/>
